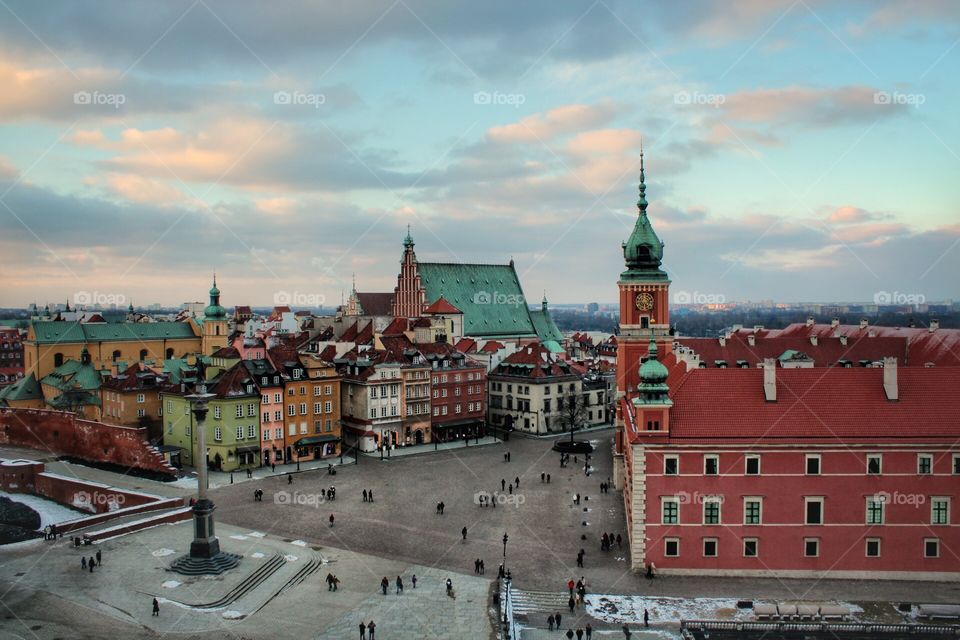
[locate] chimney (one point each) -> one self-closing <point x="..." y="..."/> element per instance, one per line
<point x="843" y="340"/>
<point x="770" y="379"/>
<point x="934" y="325"/>
<point x="814" y="340"/>
<point x="752" y="340"/>
<point x="835" y="322"/>
<point x="890" y="378"/>
<point x="864" y="323"/>
<point x="810" y="321"/>
<point x="723" y="341"/>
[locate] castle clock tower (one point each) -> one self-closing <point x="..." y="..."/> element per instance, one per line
<point x="644" y="298"/>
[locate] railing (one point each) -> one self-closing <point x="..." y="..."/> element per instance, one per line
<point x="508" y="626"/>
<point x="856" y="627"/>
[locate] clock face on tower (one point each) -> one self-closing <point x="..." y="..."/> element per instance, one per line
<point x="644" y="301"/>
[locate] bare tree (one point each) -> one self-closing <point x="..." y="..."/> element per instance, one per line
<point x="573" y="412"/>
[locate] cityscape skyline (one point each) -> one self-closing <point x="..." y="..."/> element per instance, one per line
<point x="791" y="147"/>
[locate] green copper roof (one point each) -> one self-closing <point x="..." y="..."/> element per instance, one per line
<point x="545" y="327"/>
<point x="26" y="388"/>
<point x="653" y="380"/>
<point x="73" y="374"/>
<point x="73" y="332"/>
<point x="553" y="346"/>
<point x="489" y="295"/>
<point x="214" y="310"/>
<point x="643" y="250"/>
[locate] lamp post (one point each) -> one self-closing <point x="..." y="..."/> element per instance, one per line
<point x="506" y="594"/>
<point x="205" y="556"/>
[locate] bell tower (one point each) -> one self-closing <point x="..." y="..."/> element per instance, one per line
<point x="214" y="325"/>
<point x="644" y="297"/>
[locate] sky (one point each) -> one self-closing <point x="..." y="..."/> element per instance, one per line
<point x="795" y="151"/>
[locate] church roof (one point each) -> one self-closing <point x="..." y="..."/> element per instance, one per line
<point x="441" y="305"/>
<point x="74" y="332"/>
<point x="23" y="389"/>
<point x="375" y="304"/>
<point x="489" y="295"/>
<point x="544" y="326"/>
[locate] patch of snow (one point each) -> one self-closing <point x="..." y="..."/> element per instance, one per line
<point x="234" y="615"/>
<point x="171" y="584"/>
<point x="256" y="555"/>
<point x="239" y="537"/>
<point x="256" y="534"/>
<point x="50" y="512"/>
<point x="161" y="553"/>
<point x="299" y="543"/>
<point x="290" y="558"/>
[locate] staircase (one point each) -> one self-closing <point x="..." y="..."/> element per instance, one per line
<point x="250" y="583"/>
<point x="539" y="604"/>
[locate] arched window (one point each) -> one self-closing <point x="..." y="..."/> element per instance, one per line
<point x="143" y="354"/>
<point x="57" y="359"/>
<point x="116" y="355"/>
<point x="170" y="353"/>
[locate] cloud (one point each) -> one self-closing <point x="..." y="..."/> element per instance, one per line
<point x="555" y="122"/>
<point x="807" y="106"/>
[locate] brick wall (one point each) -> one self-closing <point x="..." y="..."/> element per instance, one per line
<point x="63" y="433"/>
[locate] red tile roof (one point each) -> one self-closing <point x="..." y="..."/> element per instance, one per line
<point x="376" y="304"/>
<point x="940" y="347"/>
<point x="441" y="305"/>
<point x="397" y="327"/>
<point x="329" y="353"/>
<point x="350" y="335"/>
<point x="826" y="353"/>
<point x="819" y="403"/>
<point x="492" y="346"/>
<point x="533" y="361"/>
<point x="467" y="345"/>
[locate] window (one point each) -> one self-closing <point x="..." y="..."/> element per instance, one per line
<point x="874" y="463"/>
<point x="251" y="431"/>
<point x="811" y="547"/>
<point x="709" y="547"/>
<point x="266" y="434"/>
<point x="924" y="463"/>
<point x="170" y="405"/>
<point x="873" y="548"/>
<point x="671" y="547"/>
<point x="444" y="411"/>
<point x="671" y="465"/>
<point x="813" y="511"/>
<point x="317" y="426"/>
<point x="711" y="465"/>
<point x="956" y="464"/>
<point x="711" y="511"/>
<point x="940" y="511"/>
<point x="141" y="413"/>
<point x="303" y="428"/>
<point x="458" y="408"/>
<point x="329" y="426"/>
<point x="317" y="406"/>
<point x="251" y="409"/>
<point x="265" y="417"/>
<point x="327" y="406"/>
<point x="292" y="429"/>
<point x="169" y="428"/>
<point x="277" y="397"/>
<point x="750" y="547"/>
<point x="652" y="425"/>
<point x="443" y="393"/>
<point x="141" y="398"/>
<point x="436" y="411"/>
<point x="239" y="433"/>
<point x="216" y="412"/>
<point x="239" y="410"/>
<point x="670" y="510"/>
<point x="265" y="398"/>
<point x="316" y="390"/>
<point x="752" y="465"/>
<point x="327" y="389"/>
<point x="931" y="547"/>
<point x="875" y="509"/>
<point x="291" y="410"/>
<point x="303" y="408"/>
<point x="278" y="433"/>
<point x="752" y="511"/>
<point x="813" y="464"/>
<point x="218" y="434"/>
<point x="277" y="416"/>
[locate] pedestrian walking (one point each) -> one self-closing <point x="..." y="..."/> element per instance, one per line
<point x="372" y="628"/>
<point x="399" y="585"/>
<point x="289" y="479"/>
<point x="516" y="482"/>
<point x="570" y="586"/>
<point x="579" y="634"/>
<point x="503" y="484"/>
<point x="571" y="603"/>
<point x="557" y="618"/>
<point x="98" y="557"/>
<point x="273" y="467"/>
<point x="543" y="477"/>
<point x="449" y="587"/>
<point x="438" y="508"/>
<point x="83" y="562"/>
<point x="336" y="583"/>
<point x="510" y="489"/>
<point x="364" y="495"/>
<point x="508" y="456"/>
<point x="329" y="580"/>
<point x="619" y="542"/>
<point x="483" y="569"/>
<point x="626" y="632"/>
<point x="90" y="564"/>
<point x="370" y="494"/>
<point x="589" y="631"/>
<point x="156" y="607"/>
<point x="550" y="622"/>
<point x="548" y="478"/>
<point x="46" y="532"/>
<point x="413" y="581"/>
<point x="463" y="532"/>
<point x="646" y="618"/>
<point x="441" y="508"/>
<point x="363" y="631"/>
<point x="331" y="519"/>
<point x="569" y="634"/>
<point x="476" y="565"/>
<point x="384" y="584"/>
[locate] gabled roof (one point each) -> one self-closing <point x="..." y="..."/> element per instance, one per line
<point x="397" y="327"/>
<point x="73" y="374"/>
<point x="26" y="388"/>
<point x="489" y="295"/>
<point x="375" y="304"/>
<point x="940" y="347"/>
<point x="534" y="361"/>
<point x="225" y="352"/>
<point x="134" y="378"/>
<point x="467" y="345"/>
<point x="350" y="335"/>
<point x="329" y="353"/>
<point x="492" y="346"/>
<point x="441" y="305"/>
<point x="232" y="382"/>
<point x="77" y="332"/>
<point x="366" y="334"/>
<point x="544" y="326"/>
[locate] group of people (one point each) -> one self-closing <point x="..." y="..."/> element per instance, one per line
<point x="50" y="532"/>
<point x="553" y="620"/>
<point x="90" y="563"/>
<point x="258" y="495"/>
<point x="368" y="495"/>
<point x="333" y="582"/>
<point x="576" y="597"/>
<point x="545" y="477"/>
<point x="385" y="584"/>
<point x="440" y="507"/>
<point x="605" y="487"/>
<point x="478" y="567"/>
<point x="370" y="627"/>
<point x="607" y="540"/>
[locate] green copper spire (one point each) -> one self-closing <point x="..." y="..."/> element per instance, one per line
<point x="408" y="241"/>
<point x="643" y="251"/>
<point x="653" y="380"/>
<point x="214" y="310"/>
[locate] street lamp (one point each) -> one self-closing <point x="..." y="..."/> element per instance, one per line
<point x="205" y="556"/>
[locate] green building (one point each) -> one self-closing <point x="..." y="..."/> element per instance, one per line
<point x="232" y="424"/>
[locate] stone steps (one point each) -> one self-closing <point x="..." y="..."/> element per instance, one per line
<point x="249" y="583"/>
